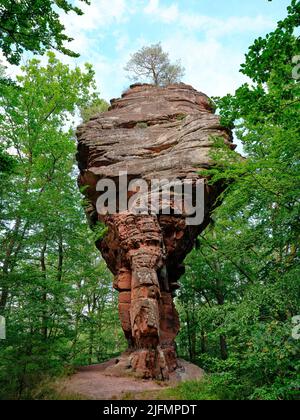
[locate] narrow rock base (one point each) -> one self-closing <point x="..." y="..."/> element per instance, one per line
<point x="158" y="364"/>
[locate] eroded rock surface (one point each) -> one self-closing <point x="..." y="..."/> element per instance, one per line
<point x="151" y="133"/>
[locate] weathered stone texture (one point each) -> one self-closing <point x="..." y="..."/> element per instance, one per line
<point x="151" y="133"/>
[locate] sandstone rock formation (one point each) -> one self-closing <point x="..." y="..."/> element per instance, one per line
<point x="151" y="133"/>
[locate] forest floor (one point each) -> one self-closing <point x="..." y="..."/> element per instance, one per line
<point x="93" y="383"/>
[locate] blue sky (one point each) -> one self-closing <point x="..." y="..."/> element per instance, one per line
<point x="209" y="36"/>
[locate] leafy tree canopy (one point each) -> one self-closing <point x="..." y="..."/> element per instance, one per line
<point x="33" y="25"/>
<point x="94" y="106"/>
<point x="241" y="289"/>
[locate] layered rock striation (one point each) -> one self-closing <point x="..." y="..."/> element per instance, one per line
<point x="150" y="133"/>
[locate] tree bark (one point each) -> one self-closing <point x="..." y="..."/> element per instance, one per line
<point x="44" y="295"/>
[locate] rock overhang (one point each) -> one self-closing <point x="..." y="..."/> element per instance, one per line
<point x="150" y="133"/>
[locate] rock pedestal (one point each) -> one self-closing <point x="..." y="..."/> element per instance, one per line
<point x="150" y="133"/>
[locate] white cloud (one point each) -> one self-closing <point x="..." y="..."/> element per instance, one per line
<point x="11" y="70"/>
<point x="122" y="40"/>
<point x="100" y="13"/>
<point x="212" y="27"/>
<point x="152" y="6"/>
<point x="210" y="67"/>
<point x="99" y="20"/>
<point x="166" y="14"/>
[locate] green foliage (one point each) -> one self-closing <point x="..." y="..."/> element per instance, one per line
<point x="95" y="106"/>
<point x="191" y="391"/>
<point x="7" y="162"/>
<point x="33" y="25"/>
<point x="142" y="125"/>
<point x="55" y="291"/>
<point x="100" y="230"/>
<point x="241" y="288"/>
<point x="180" y="117"/>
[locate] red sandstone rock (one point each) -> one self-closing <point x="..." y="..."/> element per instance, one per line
<point x="150" y="132"/>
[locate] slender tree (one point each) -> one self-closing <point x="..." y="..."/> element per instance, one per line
<point x="55" y="291"/>
<point x="152" y="64"/>
<point x="245" y="274"/>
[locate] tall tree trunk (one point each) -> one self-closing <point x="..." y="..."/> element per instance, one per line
<point x="60" y="257"/>
<point x="220" y="295"/>
<point x="44" y="295"/>
<point x="91" y="345"/>
<point x="221" y="301"/>
<point x="191" y="338"/>
<point x="203" y="342"/>
<point x="91" y="309"/>
<point x="223" y="347"/>
<point x="11" y="244"/>
<point x="7" y="263"/>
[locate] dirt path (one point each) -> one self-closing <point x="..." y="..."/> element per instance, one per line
<point x="92" y="382"/>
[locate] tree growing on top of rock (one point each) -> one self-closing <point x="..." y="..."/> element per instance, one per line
<point x="153" y="65"/>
